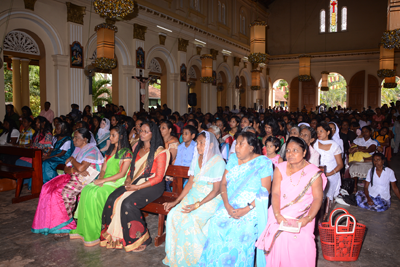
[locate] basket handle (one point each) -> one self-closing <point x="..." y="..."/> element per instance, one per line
<point x="347" y="223"/>
<point x="334" y="212"/>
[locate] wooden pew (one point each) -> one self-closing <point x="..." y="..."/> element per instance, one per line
<point x="178" y="172"/>
<point x="20" y="173"/>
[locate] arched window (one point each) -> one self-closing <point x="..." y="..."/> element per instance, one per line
<point x="322" y="21"/>
<point x="223" y="13"/>
<point x="344" y="18"/>
<point x="333" y="15"/>
<point x="219" y="11"/>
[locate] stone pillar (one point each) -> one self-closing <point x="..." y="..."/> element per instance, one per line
<point x="2" y="96"/>
<point x="173" y="84"/>
<point x="25" y="82"/>
<point x="16" y="79"/>
<point x="129" y="90"/>
<point x="182" y="89"/>
<point x="61" y="86"/>
<point x="139" y="37"/>
<point x="205" y="88"/>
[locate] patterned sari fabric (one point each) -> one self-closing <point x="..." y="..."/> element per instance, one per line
<point x="122" y="221"/>
<point x="379" y="205"/>
<point x="186" y="233"/>
<point x="285" y="248"/>
<point x="101" y="143"/>
<point x="58" y="197"/>
<point x="93" y="199"/>
<point x="49" y="166"/>
<point x="231" y="241"/>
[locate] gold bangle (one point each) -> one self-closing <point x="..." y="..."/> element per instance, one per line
<point x="309" y="217"/>
<point x="223" y="192"/>
<point x="196" y="205"/>
<point x="276" y="215"/>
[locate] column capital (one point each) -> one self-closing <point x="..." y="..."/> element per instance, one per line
<point x="25" y="60"/>
<point x="15" y="58"/>
<point x="75" y="13"/>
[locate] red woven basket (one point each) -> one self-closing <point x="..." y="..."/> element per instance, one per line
<point x="341" y="242"/>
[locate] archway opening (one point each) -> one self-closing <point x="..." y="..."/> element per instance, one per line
<point x="280" y="93"/>
<point x="158" y="86"/>
<point x="337" y="94"/>
<point x="390" y="95"/>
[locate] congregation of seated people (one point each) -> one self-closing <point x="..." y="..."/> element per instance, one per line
<point x="248" y="172"/>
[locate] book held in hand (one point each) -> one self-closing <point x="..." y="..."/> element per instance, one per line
<point x="290" y="225"/>
<point x="89" y="178"/>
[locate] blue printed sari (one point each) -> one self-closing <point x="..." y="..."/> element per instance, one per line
<point x="231" y="242"/>
<point x="49" y="166"/>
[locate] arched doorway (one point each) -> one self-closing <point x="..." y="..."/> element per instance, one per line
<point x="389" y="95"/>
<point x="194" y="83"/>
<point x="356" y="91"/>
<point x="337" y="94"/>
<point x="158" y="90"/>
<point x="280" y="93"/>
<point x="24" y="70"/>
<point x="242" y="92"/>
<point x="222" y="89"/>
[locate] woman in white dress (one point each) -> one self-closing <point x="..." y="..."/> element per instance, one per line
<point x="331" y="157"/>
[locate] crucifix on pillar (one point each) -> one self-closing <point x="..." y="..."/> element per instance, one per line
<point x="143" y="83"/>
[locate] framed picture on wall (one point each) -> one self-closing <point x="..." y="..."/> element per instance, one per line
<point x="76" y="55"/>
<point x="214" y="75"/>
<point x="183" y="73"/>
<point x="140" y="58"/>
<point x="237" y="83"/>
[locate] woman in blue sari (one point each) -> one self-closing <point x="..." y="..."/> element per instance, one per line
<point x="62" y="150"/>
<point x="235" y="226"/>
<point x="185" y="231"/>
<point x="103" y="136"/>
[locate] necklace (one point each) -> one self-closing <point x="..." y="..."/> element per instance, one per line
<point x="301" y="175"/>
<point x="145" y="149"/>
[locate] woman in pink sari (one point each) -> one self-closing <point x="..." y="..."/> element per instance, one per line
<point x="297" y="193"/>
<point x="54" y="214"/>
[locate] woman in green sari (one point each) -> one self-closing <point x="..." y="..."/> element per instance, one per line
<point x="93" y="197"/>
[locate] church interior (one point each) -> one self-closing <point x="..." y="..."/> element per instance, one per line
<point x="201" y="55"/>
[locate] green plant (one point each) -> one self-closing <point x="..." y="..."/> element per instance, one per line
<point x="100" y="93"/>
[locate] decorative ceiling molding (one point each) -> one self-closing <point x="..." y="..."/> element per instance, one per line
<point x="192" y="73"/>
<point x="155" y="66"/>
<point x="21" y="42"/>
<point x="192" y="27"/>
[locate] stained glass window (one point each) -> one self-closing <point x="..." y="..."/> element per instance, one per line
<point x="333" y="16"/>
<point x="322" y="21"/>
<point x="344" y="19"/>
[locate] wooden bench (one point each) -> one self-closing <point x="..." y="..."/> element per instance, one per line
<point x="178" y="172"/>
<point x="20" y="173"/>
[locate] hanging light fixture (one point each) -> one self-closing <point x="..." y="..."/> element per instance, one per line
<point x="206" y="68"/>
<point x="304" y="68"/>
<point x="255" y="80"/>
<point x="105" y="46"/>
<point x="390" y="82"/>
<point x="386" y="63"/>
<point x="113" y="9"/>
<point x="324" y="82"/>
<point x="257" y="42"/>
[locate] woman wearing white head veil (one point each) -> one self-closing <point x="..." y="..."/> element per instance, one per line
<point x="103" y="136"/>
<point x="335" y="134"/>
<point x="185" y="231"/>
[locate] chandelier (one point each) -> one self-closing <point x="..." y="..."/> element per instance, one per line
<point x="113" y="9"/>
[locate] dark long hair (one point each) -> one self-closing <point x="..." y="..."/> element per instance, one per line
<point x="273" y="123"/>
<point x="48" y="128"/>
<point x="384" y="136"/>
<point x="252" y="140"/>
<point x="123" y="141"/>
<point x="377" y="154"/>
<point x="65" y="131"/>
<point x="326" y="127"/>
<point x="11" y="126"/>
<point x="170" y="126"/>
<point x="155" y="142"/>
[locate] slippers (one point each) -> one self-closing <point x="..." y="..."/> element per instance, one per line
<point x="140" y="248"/>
